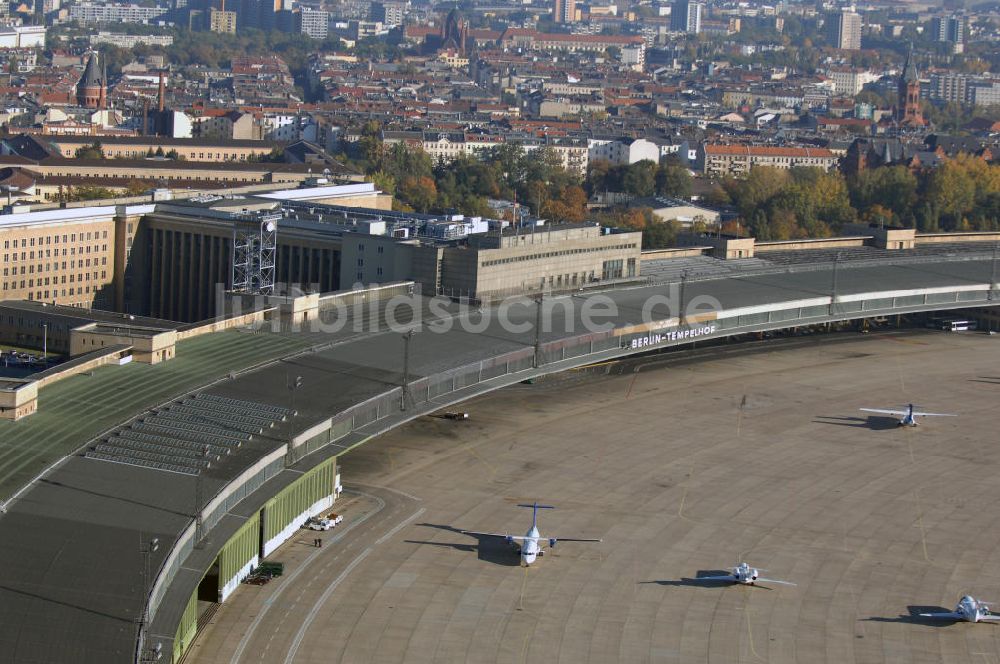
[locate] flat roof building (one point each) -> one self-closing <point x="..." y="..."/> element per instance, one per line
<point x="490" y="266"/>
<point x="736" y="160"/>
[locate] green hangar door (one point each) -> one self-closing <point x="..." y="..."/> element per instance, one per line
<point x="307" y="496"/>
<point x="237" y="558"/>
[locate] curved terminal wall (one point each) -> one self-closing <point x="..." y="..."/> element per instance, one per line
<point x="315" y="491"/>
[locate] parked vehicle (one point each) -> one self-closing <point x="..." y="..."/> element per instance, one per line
<point x="315" y="523"/>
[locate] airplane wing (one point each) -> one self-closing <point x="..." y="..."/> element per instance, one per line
<point x="883" y="411"/>
<point x="916" y="414"/>
<point x="990" y="617"/>
<point x="573" y="539"/>
<point x="950" y="615"/>
<point x="727" y="577"/>
<point x="519" y="538"/>
<point x="784" y="583"/>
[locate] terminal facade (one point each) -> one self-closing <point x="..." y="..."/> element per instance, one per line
<point x="171" y="259"/>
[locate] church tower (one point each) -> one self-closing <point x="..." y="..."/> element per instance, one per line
<point x="908" y="107"/>
<point x="92" y="90"/>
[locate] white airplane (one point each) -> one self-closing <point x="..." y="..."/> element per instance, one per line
<point x="530" y="545"/>
<point x="909" y="415"/>
<point x="969" y="609"/>
<point x="746" y="575"/>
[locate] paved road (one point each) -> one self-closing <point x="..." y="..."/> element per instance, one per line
<point x="873" y="522"/>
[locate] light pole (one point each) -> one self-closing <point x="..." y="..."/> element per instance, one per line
<point x="993" y="274"/>
<point x="45" y="340"/>
<point x="292" y="387"/>
<point x="198" y="501"/>
<point x="833" y="285"/>
<point x="537" y="359"/>
<point x="682" y="314"/>
<point x="404" y="392"/>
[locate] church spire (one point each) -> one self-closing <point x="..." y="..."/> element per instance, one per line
<point x="910" y="68"/>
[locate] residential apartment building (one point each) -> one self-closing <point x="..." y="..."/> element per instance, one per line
<point x="623" y="150"/>
<point x="312" y="23"/>
<point x="122" y="40"/>
<point x="737" y="160"/>
<point x="844" y="30"/>
<point x="530" y="39"/>
<point x="951" y="29"/>
<point x="448" y="146"/>
<point x="114" y="13"/>
<point x="564" y="11"/>
<point x="949" y="87"/>
<point x="222" y="21"/>
<point x="685" y="16"/>
<point x="985" y="93"/>
<point x="849" y="81"/>
<point x="388" y="13"/>
<point x="964" y="89"/>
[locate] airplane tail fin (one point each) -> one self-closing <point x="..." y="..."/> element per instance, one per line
<point x="534" y="511"/>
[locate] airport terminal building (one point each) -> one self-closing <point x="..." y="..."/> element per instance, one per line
<point x="170" y="259"/>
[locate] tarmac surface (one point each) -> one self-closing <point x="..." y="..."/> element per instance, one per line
<point x="684" y="465"/>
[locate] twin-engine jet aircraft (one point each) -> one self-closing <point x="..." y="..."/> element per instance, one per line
<point x="745" y="575"/>
<point x="530" y="545"/>
<point x="969" y="609"/>
<point x="909" y="415"/>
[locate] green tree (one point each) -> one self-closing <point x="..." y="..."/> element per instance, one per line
<point x="419" y="192"/>
<point x="659" y="235"/>
<point x="384" y="181"/>
<point x="892" y="187"/>
<point x="92" y="151"/>
<point x="673" y="179"/>
<point x="89" y="193"/>
<point x="640" y="179"/>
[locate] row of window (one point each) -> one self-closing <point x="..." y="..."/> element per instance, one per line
<point x="553" y="254"/>
<point x="12" y="285"/>
<point x="30" y="255"/>
<point x="31" y="269"/>
<point x="47" y="294"/>
<point x="48" y="239"/>
<point x="568" y="279"/>
<point x="26" y="324"/>
<point x="140" y="154"/>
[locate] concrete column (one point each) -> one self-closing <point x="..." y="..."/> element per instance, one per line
<point x="183" y="283"/>
<point x="202" y="303"/>
<point x="155" y="273"/>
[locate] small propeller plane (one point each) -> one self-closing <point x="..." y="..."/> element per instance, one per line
<point x="909" y="415"/>
<point x="530" y="545"/>
<point x="745" y="575"/>
<point x="969" y="609"/>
